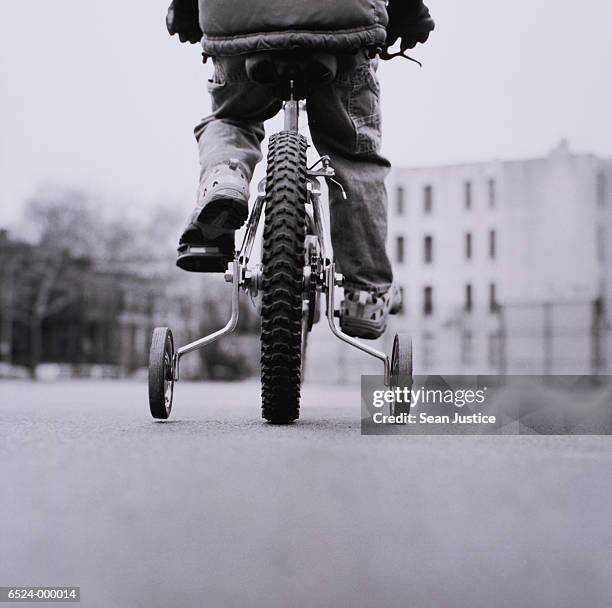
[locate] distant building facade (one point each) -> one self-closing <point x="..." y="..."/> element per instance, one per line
<point x="505" y="265"/>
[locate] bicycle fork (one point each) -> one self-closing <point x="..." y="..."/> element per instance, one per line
<point x="292" y="112"/>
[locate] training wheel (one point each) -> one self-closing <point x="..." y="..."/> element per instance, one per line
<point x="161" y="377"/>
<point x="401" y="370"/>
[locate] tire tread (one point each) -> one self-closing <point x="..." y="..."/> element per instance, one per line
<point x="283" y="262"/>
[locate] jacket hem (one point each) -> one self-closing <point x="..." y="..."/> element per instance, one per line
<point x="345" y="40"/>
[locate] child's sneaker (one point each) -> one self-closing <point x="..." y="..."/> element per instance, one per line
<point x="207" y="242"/>
<point x="223" y="197"/>
<point x="364" y="315"/>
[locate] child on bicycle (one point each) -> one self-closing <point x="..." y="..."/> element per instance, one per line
<point x="344" y="119"/>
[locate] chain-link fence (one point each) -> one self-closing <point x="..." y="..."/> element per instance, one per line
<point x="553" y="338"/>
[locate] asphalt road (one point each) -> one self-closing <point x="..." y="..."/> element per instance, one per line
<point x="217" y="509"/>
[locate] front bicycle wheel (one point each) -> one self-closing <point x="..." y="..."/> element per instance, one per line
<point x="283" y="273"/>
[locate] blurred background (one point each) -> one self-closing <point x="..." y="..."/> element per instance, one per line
<point x="500" y="201"/>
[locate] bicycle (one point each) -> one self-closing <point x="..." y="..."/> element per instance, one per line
<point x="296" y="267"/>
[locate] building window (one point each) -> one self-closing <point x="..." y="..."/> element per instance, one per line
<point x="427" y="301"/>
<point x="601" y="189"/>
<point x="467" y="348"/>
<point x="399" y="249"/>
<point x="469" y="302"/>
<point x="428" y="199"/>
<point x="467" y="195"/>
<point x="428" y="359"/>
<point x="601" y="244"/>
<point x="400" y="200"/>
<point x="428" y="249"/>
<point x="493" y="305"/>
<point x="468" y="245"/>
<point x="492" y="244"/>
<point x="494" y="349"/>
<point x="492" y="193"/>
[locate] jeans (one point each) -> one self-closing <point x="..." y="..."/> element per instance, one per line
<point x="345" y="123"/>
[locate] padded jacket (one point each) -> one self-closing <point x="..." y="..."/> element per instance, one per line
<point x="234" y="28"/>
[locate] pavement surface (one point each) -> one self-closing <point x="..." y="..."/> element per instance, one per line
<point x="217" y="509"/>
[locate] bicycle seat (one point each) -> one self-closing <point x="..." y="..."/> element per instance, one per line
<point x="291" y="71"/>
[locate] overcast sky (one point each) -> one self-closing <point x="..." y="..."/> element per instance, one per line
<point x="95" y="95"/>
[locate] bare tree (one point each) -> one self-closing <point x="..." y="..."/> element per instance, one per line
<point x="64" y="220"/>
<point x="65" y="226"/>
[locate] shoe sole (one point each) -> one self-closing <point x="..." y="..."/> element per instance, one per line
<point x="224" y="212"/>
<point x="198" y="262"/>
<point x="358" y="328"/>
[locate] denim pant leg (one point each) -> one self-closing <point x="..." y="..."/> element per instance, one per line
<point x="345" y="123"/>
<point x="235" y="127"/>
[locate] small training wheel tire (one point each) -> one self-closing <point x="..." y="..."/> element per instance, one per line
<point x="401" y="369"/>
<point x="161" y="380"/>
